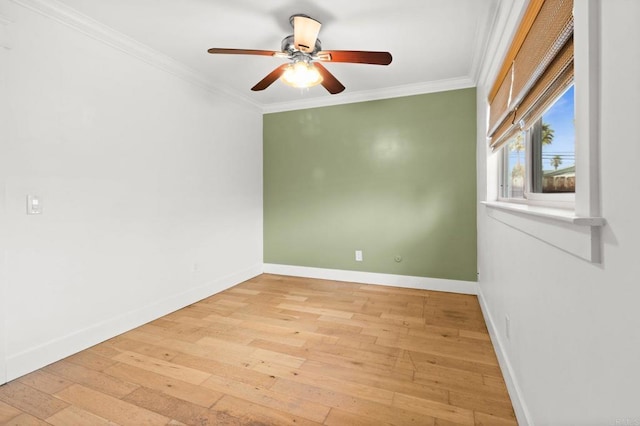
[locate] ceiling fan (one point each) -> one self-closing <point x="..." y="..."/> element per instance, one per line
<point x="304" y="50"/>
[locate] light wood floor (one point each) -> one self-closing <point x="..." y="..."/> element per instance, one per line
<point x="281" y="350"/>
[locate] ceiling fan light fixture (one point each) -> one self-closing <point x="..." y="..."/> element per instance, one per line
<point x="305" y="32"/>
<point x="301" y="75"/>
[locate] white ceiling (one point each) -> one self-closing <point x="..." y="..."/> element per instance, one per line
<point x="432" y="41"/>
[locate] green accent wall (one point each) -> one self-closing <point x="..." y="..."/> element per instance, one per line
<point x="395" y="177"/>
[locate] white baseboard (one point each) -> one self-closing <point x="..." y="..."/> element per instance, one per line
<point x="423" y="283"/>
<point x="519" y="406"/>
<point x="30" y="360"/>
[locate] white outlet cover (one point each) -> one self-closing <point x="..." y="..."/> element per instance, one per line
<point x="358" y="255"/>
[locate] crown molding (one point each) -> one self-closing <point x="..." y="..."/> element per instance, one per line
<point x="483" y="36"/>
<point x="503" y="28"/>
<point x="107" y="35"/>
<point x="373" y="95"/>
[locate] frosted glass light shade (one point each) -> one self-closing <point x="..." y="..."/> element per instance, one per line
<point x="301" y="75"/>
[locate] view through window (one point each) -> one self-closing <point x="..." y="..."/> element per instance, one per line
<point x="542" y="158"/>
<point x="557" y="170"/>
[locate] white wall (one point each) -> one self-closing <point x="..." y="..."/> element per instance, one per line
<point x="152" y="191"/>
<point x="575" y="326"/>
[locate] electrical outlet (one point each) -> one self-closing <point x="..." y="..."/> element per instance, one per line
<point x="358" y="255"/>
<point x="507" y="327"/>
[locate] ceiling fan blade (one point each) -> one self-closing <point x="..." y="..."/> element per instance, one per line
<point x="270" y="78"/>
<point x="242" y="51"/>
<point x="329" y="81"/>
<point x="355" y="56"/>
<point x="305" y="32"/>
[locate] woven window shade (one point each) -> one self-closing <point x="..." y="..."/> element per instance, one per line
<point x="538" y="56"/>
<point x="557" y="77"/>
<point x="505" y="131"/>
<point x="500" y="104"/>
<point x="551" y="30"/>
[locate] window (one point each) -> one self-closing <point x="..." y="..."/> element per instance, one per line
<point x="564" y="213"/>
<point x="538" y="163"/>
<point x="531" y="117"/>
<point x="553" y="148"/>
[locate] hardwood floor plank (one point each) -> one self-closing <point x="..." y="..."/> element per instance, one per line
<point x="435" y="347"/>
<point x="434" y="409"/>
<point x="261" y="328"/>
<point x="168" y="406"/>
<point x="266" y="397"/>
<point x="355" y="364"/>
<point x="483" y="419"/>
<point x="239" y="373"/>
<point x="164" y="368"/>
<point x="381" y="359"/>
<point x="275" y="318"/>
<point x="93" y="379"/>
<point x="495" y="381"/>
<point x="420" y="358"/>
<point x="224" y="347"/>
<point x="170" y="386"/>
<point x="341" y="418"/>
<point x="90" y="360"/>
<point x="327" y="382"/>
<point x="25" y="419"/>
<point x="395" y="384"/>
<point x="7" y="412"/>
<point x="110" y="408"/>
<point x="281" y="358"/>
<point x="143" y="348"/>
<point x="45" y="382"/>
<point x="243" y="291"/>
<point x="497" y="407"/>
<point x="30" y="400"/>
<point x="480" y="335"/>
<point x="76" y="416"/>
<point x="250" y="413"/>
<point x="317" y="311"/>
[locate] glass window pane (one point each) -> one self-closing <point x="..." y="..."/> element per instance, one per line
<point x="514" y="167"/>
<point x="558" y="146"/>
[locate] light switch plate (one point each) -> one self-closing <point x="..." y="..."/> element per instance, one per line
<point x="34" y="204"/>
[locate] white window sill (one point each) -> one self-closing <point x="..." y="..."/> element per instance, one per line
<point x="577" y="235"/>
<point x="561" y="215"/>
